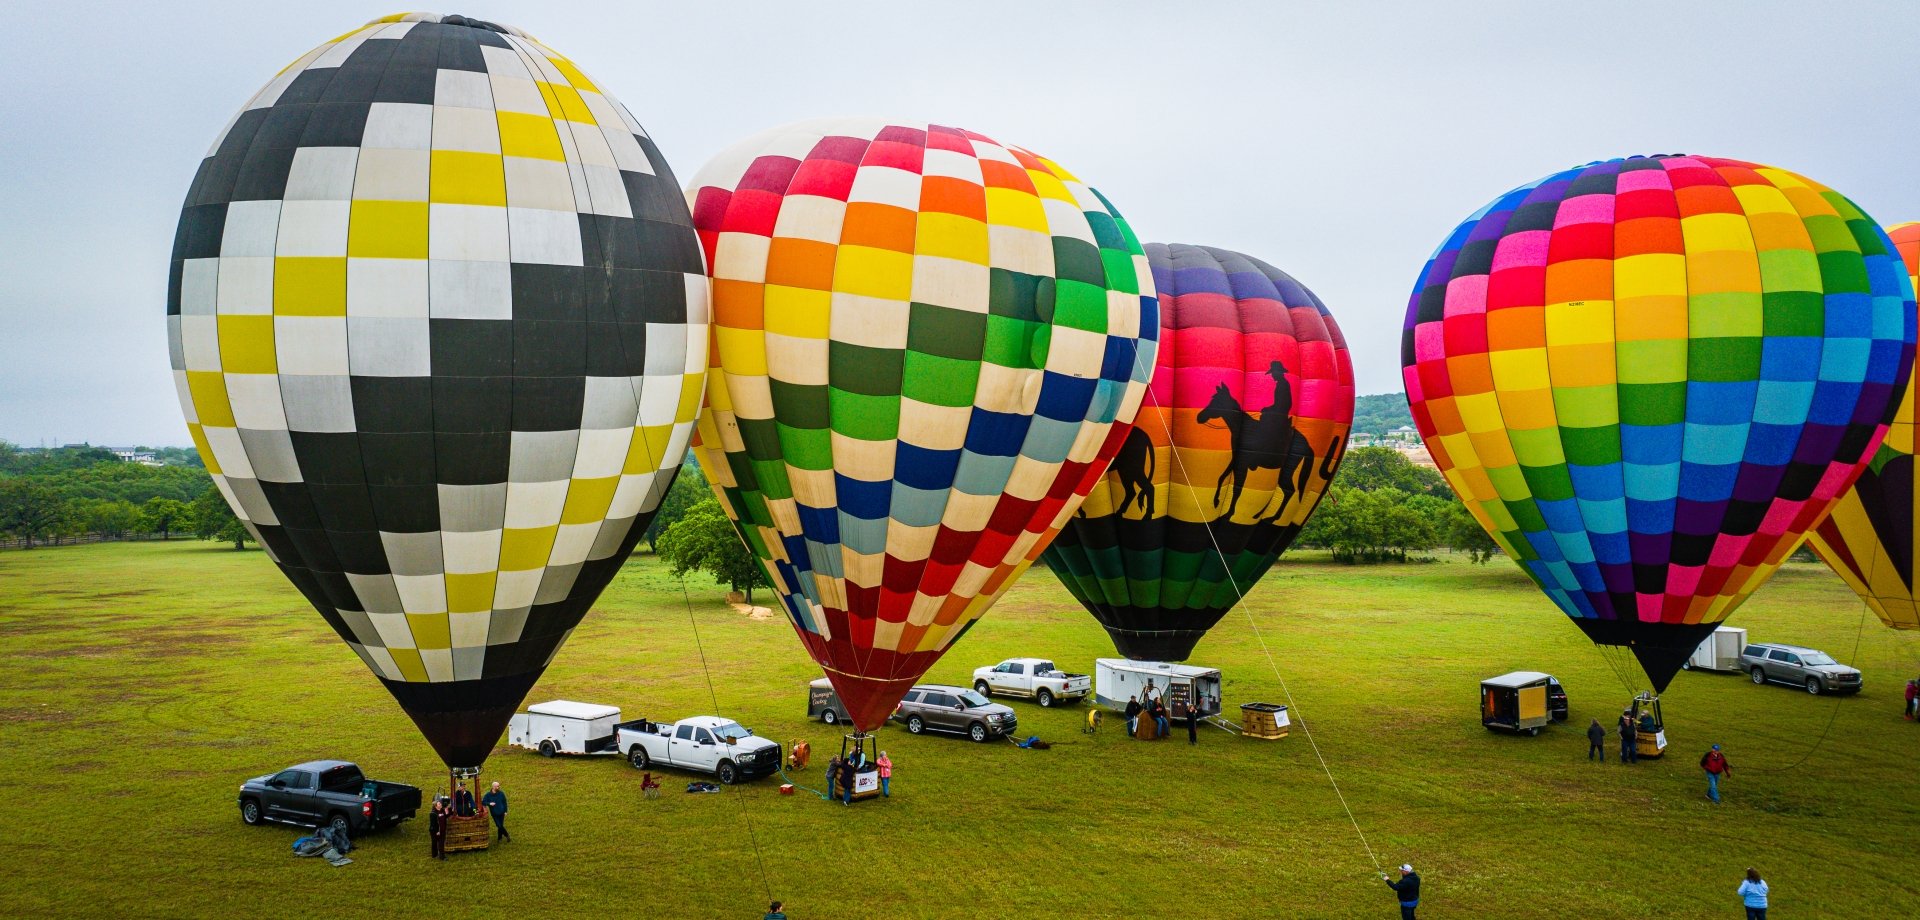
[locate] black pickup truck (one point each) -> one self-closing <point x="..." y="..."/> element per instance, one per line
<point x="327" y="792"/>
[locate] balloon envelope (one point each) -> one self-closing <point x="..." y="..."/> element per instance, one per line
<point x="438" y="324"/>
<point x="1868" y="539"/>
<point x="927" y="345"/>
<point x="1243" y="428"/>
<point x="1647" y="378"/>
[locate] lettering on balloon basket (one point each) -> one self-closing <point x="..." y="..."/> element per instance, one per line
<point x="1265" y="441"/>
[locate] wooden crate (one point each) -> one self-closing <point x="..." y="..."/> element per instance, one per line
<point x="469" y="833"/>
<point x="1263" y="720"/>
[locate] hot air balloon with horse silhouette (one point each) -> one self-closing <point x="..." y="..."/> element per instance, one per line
<point x="438" y="323"/>
<point x="1869" y="537"/>
<point x="1242" y="432"/>
<point x="1648" y="378"/>
<point x="927" y="345"/>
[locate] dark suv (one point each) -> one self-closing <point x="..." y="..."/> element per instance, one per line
<point x="1800" y="666"/>
<point x="954" y="709"/>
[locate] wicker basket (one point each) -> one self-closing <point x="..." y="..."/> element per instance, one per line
<point x="1264" y="720"/>
<point x="468" y="833"/>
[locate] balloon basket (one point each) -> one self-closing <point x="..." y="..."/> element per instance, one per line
<point x="466" y="833"/>
<point x="864" y="747"/>
<point x="1264" y="720"/>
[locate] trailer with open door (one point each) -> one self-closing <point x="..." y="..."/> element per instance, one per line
<point x="1115" y="680"/>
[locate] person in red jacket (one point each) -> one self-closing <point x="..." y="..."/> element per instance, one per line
<point x="1715" y="763"/>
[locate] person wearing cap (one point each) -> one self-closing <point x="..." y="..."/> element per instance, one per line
<point x="1628" y="753"/>
<point x="1715" y="763"/>
<point x="1407" y="890"/>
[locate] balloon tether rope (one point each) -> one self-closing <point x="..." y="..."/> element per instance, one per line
<point x="745" y="813"/>
<point x="1242" y="599"/>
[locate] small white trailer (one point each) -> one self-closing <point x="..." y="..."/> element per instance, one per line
<point x="565" y="727"/>
<point x="1719" y="651"/>
<point x="1116" y="680"/>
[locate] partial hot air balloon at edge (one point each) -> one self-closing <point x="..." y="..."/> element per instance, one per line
<point x="1647" y="378"/>
<point x="438" y="322"/>
<point x="1245" y="423"/>
<point x="1869" y="537"/>
<point x="927" y="346"/>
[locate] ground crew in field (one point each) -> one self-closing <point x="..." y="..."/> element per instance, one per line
<point x="496" y="802"/>
<point x="1407" y="890"/>
<point x="1628" y="753"/>
<point x="1133" y="711"/>
<point x="1913" y="697"/>
<point x="1596" y="741"/>
<point x="437" y="828"/>
<point x="1193" y="724"/>
<point x="1715" y="763"/>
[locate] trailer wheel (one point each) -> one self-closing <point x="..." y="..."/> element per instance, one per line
<point x="830" y="717"/>
<point x="637" y="756"/>
<point x="977" y="732"/>
<point x="1045" y="698"/>
<point x="728" y="775"/>
<point x="547" y="749"/>
<point x="1533" y="732"/>
<point x="250" y="812"/>
<point x="981" y="687"/>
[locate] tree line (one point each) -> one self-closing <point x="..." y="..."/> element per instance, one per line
<point x="47" y="496"/>
<point x="1382" y="507"/>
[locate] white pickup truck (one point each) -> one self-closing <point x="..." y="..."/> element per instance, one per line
<point x="1031" y="677"/>
<point x="708" y="744"/>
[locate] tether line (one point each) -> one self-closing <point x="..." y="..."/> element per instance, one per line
<point x="745" y="814"/>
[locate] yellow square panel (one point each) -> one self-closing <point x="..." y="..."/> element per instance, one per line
<point x="209" y="392"/>
<point x="796" y="312"/>
<point x="523" y="135"/>
<point x="951" y="236"/>
<point x="1008" y="207"/>
<point x="388" y="230"/>
<point x="408" y="661"/>
<point x="1716" y="233"/>
<point x="246" y="344"/>
<point x="565" y="102"/>
<point x="465" y="177"/>
<point x="469" y="593"/>
<point x="874" y="272"/>
<point x="588" y="500"/>
<point x="572" y="73"/>
<point x="430" y="630"/>
<point x="310" y="286"/>
<point x="1655" y="273"/>
<point x="523" y="549"/>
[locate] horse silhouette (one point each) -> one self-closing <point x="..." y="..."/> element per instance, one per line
<point x="1266" y="441"/>
<point x="1134" y="465"/>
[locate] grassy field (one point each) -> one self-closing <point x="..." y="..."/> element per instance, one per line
<point x="144" y="681"/>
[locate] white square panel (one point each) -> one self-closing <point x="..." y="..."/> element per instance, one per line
<point x="322" y="174"/>
<point x="387" y="287"/>
<point x="399" y="124"/>
<point x="199" y="286"/>
<point x="472" y="552"/>
<point x="311" y="345"/>
<point x="470" y="290"/>
<point x="251" y="228"/>
<point x="318" y="403"/>
<point x="544" y="237"/>
<point x="200" y="342"/>
<point x="534" y="504"/>
<point x="473" y="130"/>
<point x="255" y="399"/>
<point x="466" y="232"/>
<point x="535" y="183"/>
<point x="392" y="175"/>
<point x="607" y="191"/>
<point x="388" y="347"/>
<point x="463" y="88"/>
<point x="313" y="228"/>
<point x="504" y="62"/>
<point x="246" y="286"/>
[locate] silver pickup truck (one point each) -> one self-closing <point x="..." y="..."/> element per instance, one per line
<point x="1035" y="678"/>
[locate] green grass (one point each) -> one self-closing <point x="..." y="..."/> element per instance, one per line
<point x="144" y="681"/>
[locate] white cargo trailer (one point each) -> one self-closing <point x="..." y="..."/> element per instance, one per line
<point x="1115" y="680"/>
<point x="1719" y="651"/>
<point x="565" y="727"/>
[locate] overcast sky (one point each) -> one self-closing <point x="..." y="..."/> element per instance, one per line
<point x="1340" y="142"/>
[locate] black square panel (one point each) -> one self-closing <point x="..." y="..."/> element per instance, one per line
<point x="392" y="403"/>
<point x="472" y="404"/>
<point x="471" y="347"/>
<point x="469" y="459"/>
<point x="547" y="403"/>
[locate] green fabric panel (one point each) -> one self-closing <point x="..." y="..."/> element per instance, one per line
<point x="797" y="404"/>
<point x="1653" y="403"/>
<point x="1077" y="260"/>
<point x="863" y="369"/>
<point x="1845" y="273"/>
<point x="945" y="332"/>
<point x="1795" y="313"/>
<point x="1549" y="483"/>
<point x="1009" y="342"/>
<point x="807" y="448"/>
<point x="939" y="381"/>
<point x="1735" y="360"/>
<point x="1591" y="446"/>
<point x="868" y="418"/>
<point x="1080" y="306"/>
<point x="1650" y="361"/>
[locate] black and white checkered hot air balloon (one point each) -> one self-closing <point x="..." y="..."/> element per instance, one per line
<point x="439" y="326"/>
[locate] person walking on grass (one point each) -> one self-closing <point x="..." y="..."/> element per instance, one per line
<point x="1913" y="698"/>
<point x="1715" y="763"/>
<point x="1596" y="741"/>
<point x="496" y="802"/>
<point x="774" y="912"/>
<point x="1406" y="890"/>
<point x="1193" y="724"/>
<point x="1628" y="752"/>
<point x="437" y="828"/>
<point x="1753" y="894"/>
<point x="886" y="773"/>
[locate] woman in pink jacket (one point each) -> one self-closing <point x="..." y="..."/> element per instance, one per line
<point x="886" y="771"/>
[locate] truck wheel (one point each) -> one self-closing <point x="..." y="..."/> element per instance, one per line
<point x="637" y="756"/>
<point x="1045" y="697"/>
<point x="830" y="717"/>
<point x="1814" y="686"/>
<point x="1759" y="675"/>
<point x="547" y="749"/>
<point x="728" y="775"/>
<point x="338" y="822"/>
<point x="915" y="725"/>
<point x="250" y="812"/>
<point x="977" y="732"/>
<point x="980" y="687"/>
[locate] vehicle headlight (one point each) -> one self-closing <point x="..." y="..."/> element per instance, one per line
<point x="993" y="717"/>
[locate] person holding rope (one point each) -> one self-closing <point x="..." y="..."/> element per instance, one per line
<point x="1628" y="751"/>
<point x="1133" y="711"/>
<point x="1407" y="890"/>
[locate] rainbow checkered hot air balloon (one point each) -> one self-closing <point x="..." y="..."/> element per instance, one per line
<point x="1868" y="539"/>
<point x="1240" y="435"/>
<point x="927" y="345"/>
<point x="1647" y="378"/>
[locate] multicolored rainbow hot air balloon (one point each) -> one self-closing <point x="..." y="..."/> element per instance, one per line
<point x="927" y="346"/>
<point x="439" y="327"/>
<point x="1243" y="427"/>
<point x="1647" y="378"/>
<point x="1869" y="538"/>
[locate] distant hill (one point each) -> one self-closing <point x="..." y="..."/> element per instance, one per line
<point x="1380" y="413"/>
